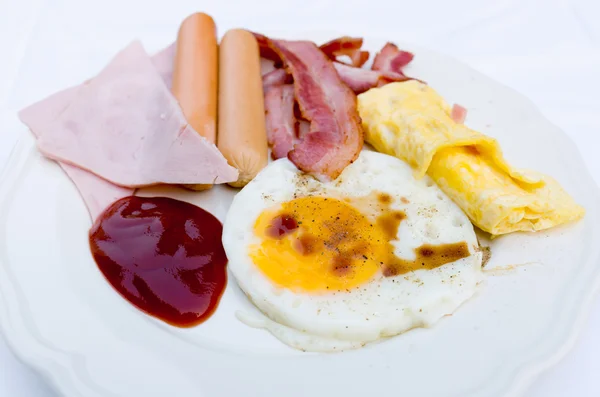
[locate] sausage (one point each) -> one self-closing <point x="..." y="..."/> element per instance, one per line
<point x="242" y="136"/>
<point x="195" y="76"/>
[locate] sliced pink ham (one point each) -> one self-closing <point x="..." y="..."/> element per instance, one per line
<point x="126" y="127"/>
<point x="458" y="114"/>
<point x="96" y="192"/>
<point x="163" y="63"/>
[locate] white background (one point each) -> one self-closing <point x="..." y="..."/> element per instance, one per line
<point x="549" y="50"/>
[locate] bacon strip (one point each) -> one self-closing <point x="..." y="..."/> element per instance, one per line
<point x="361" y="80"/>
<point x="335" y="137"/>
<point x="266" y="51"/>
<point x="276" y="77"/>
<point x="302" y="128"/>
<point x="391" y="59"/>
<point x="280" y="119"/>
<point x="349" y="46"/>
<point x="359" y="58"/>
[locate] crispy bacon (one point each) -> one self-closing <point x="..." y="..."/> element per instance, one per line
<point x="359" y="58"/>
<point x="459" y="114"/>
<point x="358" y="79"/>
<point x="349" y="46"/>
<point x="280" y="119"/>
<point x="335" y="137"/>
<point x="391" y="59"/>
<point x="266" y="51"/>
<point x="361" y="80"/>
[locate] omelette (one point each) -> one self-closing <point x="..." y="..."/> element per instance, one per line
<point x="412" y="121"/>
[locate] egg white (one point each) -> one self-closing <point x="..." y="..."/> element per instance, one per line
<point x="382" y="307"/>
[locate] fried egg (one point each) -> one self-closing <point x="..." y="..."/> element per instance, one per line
<point x="339" y="264"/>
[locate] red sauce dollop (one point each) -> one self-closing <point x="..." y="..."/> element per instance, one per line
<point x="165" y="256"/>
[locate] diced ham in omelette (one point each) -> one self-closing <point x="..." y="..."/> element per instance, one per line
<point x="126" y="127"/>
<point x="458" y="113"/>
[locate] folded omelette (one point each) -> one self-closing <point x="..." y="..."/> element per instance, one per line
<point x="412" y="122"/>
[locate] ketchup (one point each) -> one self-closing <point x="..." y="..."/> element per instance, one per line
<point x="165" y="256"/>
<point x="281" y="226"/>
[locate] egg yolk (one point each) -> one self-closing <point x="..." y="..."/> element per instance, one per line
<point x="318" y="244"/>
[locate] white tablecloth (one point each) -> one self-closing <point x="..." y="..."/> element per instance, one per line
<point x="549" y="50"/>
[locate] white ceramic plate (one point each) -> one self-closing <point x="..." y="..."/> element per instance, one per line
<point x="61" y="316"/>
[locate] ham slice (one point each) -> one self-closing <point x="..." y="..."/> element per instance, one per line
<point x="280" y="119"/>
<point x="126" y="127"/>
<point x="458" y="114"/>
<point x="96" y="192"/>
<point x="391" y="59"/>
<point x="348" y="46"/>
<point x="163" y="63"/>
<point x="335" y="137"/>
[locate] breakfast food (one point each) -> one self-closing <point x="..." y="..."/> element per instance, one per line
<point x="412" y="122"/>
<point x="112" y="128"/>
<point x="280" y="119"/>
<point x="96" y="192"/>
<point x="337" y="245"/>
<point x="335" y="136"/>
<point x="346" y="46"/>
<point x="387" y="66"/>
<point x="361" y="80"/>
<point x="391" y="59"/>
<point x="195" y="76"/>
<point x="276" y="77"/>
<point x="458" y="114"/>
<point x="165" y="256"/>
<point x="335" y="265"/>
<point x="242" y="136"/>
